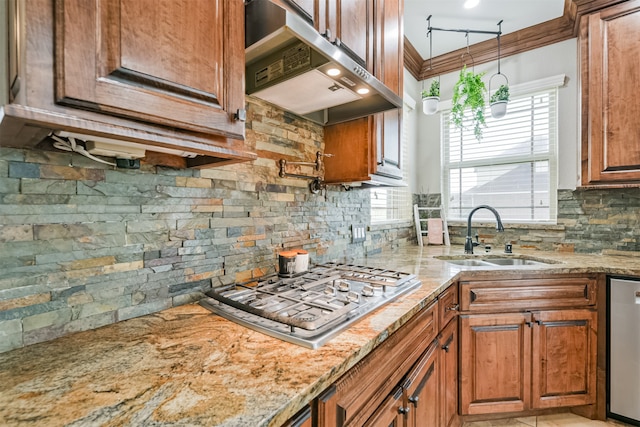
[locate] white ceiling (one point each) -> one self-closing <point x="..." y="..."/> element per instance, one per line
<point x="450" y="14"/>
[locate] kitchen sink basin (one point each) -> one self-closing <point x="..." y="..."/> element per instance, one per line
<point x="513" y="261"/>
<point x="492" y="261"/>
<point x="468" y="262"/>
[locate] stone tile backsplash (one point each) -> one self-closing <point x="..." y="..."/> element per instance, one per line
<point x="589" y="221"/>
<point x="83" y="245"/>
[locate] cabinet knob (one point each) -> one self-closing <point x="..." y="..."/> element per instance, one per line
<point x="453" y="307"/>
<point x="403" y="410"/>
<point x="446" y="348"/>
<point x="414" y="400"/>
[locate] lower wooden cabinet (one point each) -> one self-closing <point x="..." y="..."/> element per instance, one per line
<point x="422" y="390"/>
<point x="528" y="359"/>
<point x="448" y="365"/>
<point x="495" y="363"/>
<point x="563" y="358"/>
<point x="484" y="347"/>
<point x="410" y="380"/>
<point x="390" y="413"/>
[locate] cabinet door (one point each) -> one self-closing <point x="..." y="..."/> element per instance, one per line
<point x="422" y="390"/>
<point x="389" y="70"/>
<point x="349" y="145"/>
<point x="390" y="413"/>
<point x="448" y="305"/>
<point x="306" y="8"/>
<point x="348" y="23"/>
<point x="177" y="63"/>
<point x="611" y="107"/>
<point x="448" y="384"/>
<point x="564" y="358"/>
<point x="495" y="363"/>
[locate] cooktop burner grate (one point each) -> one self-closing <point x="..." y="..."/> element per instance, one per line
<point x="311" y="308"/>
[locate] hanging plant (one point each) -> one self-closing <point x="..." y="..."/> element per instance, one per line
<point x="469" y="92"/>
<point x="434" y="90"/>
<point x="430" y="98"/>
<point x="502" y="94"/>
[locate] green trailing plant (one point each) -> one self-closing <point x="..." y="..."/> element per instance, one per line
<point x="434" y="90"/>
<point x="502" y="94"/>
<point x="469" y="92"/>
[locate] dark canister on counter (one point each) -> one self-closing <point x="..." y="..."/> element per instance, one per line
<point x="287" y="263"/>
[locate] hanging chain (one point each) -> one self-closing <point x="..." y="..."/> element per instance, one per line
<point x="499" y="32"/>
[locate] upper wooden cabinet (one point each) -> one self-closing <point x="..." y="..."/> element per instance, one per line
<point x="166" y="73"/>
<point x="306" y="8"/>
<point x="609" y="50"/>
<point x="370" y="149"/>
<point x="389" y="69"/>
<point x="346" y="23"/>
<point x="349" y="24"/>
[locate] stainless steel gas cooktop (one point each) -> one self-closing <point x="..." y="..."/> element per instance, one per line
<point x="313" y="307"/>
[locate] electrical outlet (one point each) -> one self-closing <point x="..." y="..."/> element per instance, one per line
<point x="358" y="233"/>
<point x="128" y="163"/>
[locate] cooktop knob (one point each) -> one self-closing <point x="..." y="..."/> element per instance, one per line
<point x="342" y="285"/>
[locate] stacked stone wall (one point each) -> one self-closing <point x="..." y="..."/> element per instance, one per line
<point x="83" y="245"/>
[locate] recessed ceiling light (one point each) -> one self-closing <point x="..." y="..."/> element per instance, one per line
<point x="363" y="91"/>
<point x="333" y="71"/>
<point x="470" y="4"/>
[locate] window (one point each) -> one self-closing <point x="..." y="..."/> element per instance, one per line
<point x="394" y="203"/>
<point x="513" y="167"/>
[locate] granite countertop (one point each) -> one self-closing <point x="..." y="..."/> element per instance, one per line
<point x="187" y="366"/>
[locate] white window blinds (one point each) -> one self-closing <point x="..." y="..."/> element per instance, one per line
<point x="513" y="168"/>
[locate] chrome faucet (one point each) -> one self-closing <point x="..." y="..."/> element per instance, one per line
<point x="469" y="243"/>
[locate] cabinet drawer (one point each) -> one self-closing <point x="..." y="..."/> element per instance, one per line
<point x="448" y="305"/>
<point x="510" y="295"/>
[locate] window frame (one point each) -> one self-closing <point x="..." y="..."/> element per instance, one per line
<point x="527" y="90"/>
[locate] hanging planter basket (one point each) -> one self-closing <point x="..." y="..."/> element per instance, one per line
<point x="431" y="98"/>
<point x="498" y="109"/>
<point x="500" y="98"/>
<point x="430" y="105"/>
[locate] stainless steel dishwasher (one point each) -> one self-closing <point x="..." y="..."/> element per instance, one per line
<point x="624" y="350"/>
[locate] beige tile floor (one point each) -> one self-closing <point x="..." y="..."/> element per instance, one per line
<point x="556" y="420"/>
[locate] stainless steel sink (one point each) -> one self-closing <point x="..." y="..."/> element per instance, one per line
<point x="492" y="261"/>
<point x="514" y="261"/>
<point x="469" y="262"/>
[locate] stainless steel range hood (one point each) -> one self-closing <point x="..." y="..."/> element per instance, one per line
<point x="289" y="63"/>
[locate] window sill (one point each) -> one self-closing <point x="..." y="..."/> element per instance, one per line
<point x="512" y="225"/>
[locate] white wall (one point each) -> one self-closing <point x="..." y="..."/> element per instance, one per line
<point x="559" y="58"/>
<point x="412" y="96"/>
